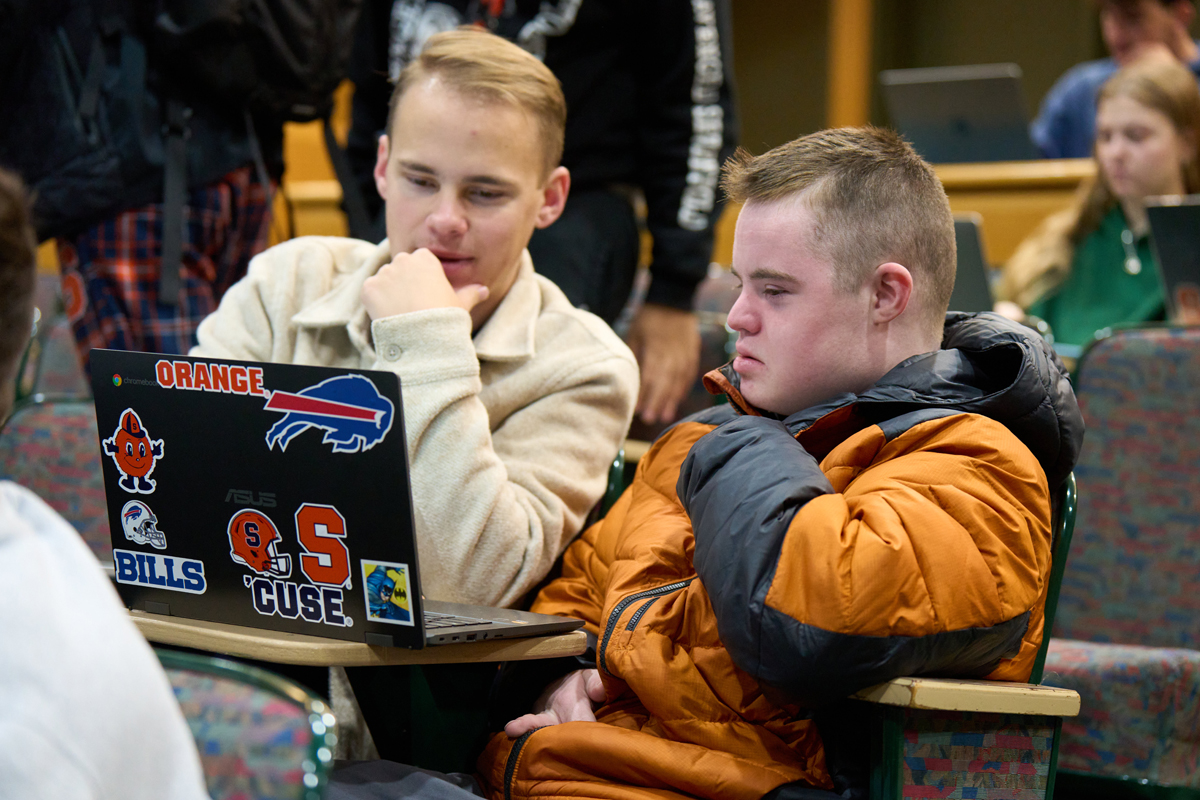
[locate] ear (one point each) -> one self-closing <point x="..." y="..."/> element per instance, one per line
<point x="381" y="160"/>
<point x="554" y="197"/>
<point x="891" y="289"/>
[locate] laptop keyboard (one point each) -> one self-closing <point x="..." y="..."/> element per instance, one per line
<point x="435" y="620"/>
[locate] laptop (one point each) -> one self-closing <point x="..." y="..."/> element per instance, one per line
<point x="960" y="114"/>
<point x="1175" y="239"/>
<point x="972" y="282"/>
<point x="272" y="496"/>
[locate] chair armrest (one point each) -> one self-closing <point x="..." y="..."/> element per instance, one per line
<point x="634" y="450"/>
<point x="948" y="694"/>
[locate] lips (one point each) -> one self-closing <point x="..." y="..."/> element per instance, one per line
<point x="451" y="256"/>
<point x="743" y="353"/>
<point x="744" y="362"/>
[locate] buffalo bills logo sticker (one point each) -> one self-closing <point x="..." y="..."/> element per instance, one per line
<point x="253" y="540"/>
<point x="140" y="525"/>
<point x="134" y="453"/>
<point x="351" y="411"/>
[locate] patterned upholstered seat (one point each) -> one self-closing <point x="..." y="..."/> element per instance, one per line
<point x="1140" y="710"/>
<point x="1133" y="578"/>
<point x="964" y="754"/>
<point x="52" y="448"/>
<point x="260" y="736"/>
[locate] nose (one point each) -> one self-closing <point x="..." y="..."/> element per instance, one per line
<point x="448" y="219"/>
<point x="742" y="317"/>
<point x="1114" y="149"/>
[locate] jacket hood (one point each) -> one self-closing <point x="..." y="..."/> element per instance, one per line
<point x="988" y="365"/>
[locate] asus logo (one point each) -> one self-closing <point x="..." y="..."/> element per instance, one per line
<point x="245" y="496"/>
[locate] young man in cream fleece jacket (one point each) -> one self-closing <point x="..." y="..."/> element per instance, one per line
<point x="514" y="401"/>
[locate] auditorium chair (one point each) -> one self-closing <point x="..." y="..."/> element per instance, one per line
<point x="259" y="735"/>
<point x="50" y="446"/>
<point x="949" y="738"/>
<point x="1127" y="635"/>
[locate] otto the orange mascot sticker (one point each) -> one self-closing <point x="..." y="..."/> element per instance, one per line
<point x="134" y="453"/>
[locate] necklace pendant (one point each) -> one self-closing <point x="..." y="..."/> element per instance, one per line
<point x="1133" y="265"/>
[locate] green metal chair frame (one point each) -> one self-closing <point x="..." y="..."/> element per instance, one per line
<point x="616" y="483"/>
<point x="890" y="719"/>
<point x="318" y="758"/>
<point x="31" y="353"/>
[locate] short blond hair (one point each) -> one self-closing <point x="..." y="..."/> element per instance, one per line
<point x="873" y="200"/>
<point x="480" y="64"/>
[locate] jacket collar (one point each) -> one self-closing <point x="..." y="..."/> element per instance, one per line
<point x="987" y="365"/>
<point x="508" y="335"/>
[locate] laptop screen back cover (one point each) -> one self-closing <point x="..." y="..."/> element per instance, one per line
<point x="267" y="495"/>
<point x="972" y="287"/>
<point x="1175" y="237"/>
<point x="960" y="114"/>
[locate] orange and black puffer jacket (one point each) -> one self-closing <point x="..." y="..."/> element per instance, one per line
<point x="758" y="567"/>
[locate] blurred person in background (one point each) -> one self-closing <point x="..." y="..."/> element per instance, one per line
<point x="1132" y="29"/>
<point x="93" y="124"/>
<point x="1091" y="266"/>
<point x="650" y="115"/>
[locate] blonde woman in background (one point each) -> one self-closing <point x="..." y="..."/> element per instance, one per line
<point x="1090" y="266"/>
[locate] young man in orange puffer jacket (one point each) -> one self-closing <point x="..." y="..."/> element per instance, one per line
<point x="873" y="501"/>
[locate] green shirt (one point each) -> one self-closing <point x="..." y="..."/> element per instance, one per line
<point x="1099" y="292"/>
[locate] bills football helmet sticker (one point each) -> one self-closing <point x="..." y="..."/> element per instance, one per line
<point x="351" y="411"/>
<point x="138" y="522"/>
<point x="134" y="453"/>
<point x="253" y="539"/>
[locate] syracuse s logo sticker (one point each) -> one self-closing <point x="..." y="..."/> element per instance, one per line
<point x="134" y="453"/>
<point x="351" y="411"/>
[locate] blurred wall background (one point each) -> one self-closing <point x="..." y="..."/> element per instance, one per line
<point x="781" y="51"/>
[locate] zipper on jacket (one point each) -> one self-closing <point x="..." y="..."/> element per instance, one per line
<point x="514" y="755"/>
<point x="620" y="607"/>
<point x="637" y="615"/>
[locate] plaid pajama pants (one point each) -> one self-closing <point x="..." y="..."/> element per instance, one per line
<point x="110" y="272"/>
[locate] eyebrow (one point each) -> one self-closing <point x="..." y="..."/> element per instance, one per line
<point x="764" y="274"/>
<point x="479" y="180"/>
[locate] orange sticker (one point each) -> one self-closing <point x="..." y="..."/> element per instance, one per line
<point x="74" y="298"/>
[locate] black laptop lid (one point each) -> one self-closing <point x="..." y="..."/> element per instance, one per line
<point x="972" y="283"/>
<point x="1175" y="237"/>
<point x="268" y="495"/>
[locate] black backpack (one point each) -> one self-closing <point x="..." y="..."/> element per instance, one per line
<point x="281" y="59"/>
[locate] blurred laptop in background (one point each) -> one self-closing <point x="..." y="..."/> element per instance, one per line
<point x="960" y="114"/>
<point x="972" y="281"/>
<point x="1175" y="238"/>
